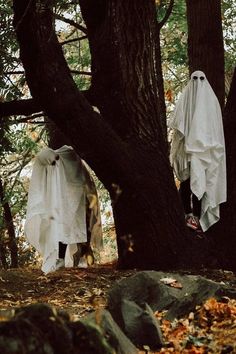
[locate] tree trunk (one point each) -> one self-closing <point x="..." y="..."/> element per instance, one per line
<point x="225" y="230"/>
<point x="206" y="53"/>
<point x="3" y="257"/>
<point x="160" y="84"/>
<point x="10" y="228"/>
<point x="124" y="145"/>
<point x="205" y="42"/>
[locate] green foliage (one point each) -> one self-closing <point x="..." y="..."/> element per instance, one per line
<point x="14" y="156"/>
<point x="174" y="36"/>
<point x="229" y="32"/>
<point x="74" y="42"/>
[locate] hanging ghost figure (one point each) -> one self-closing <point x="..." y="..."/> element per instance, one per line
<point x="63" y="214"/>
<point x="198" y="152"/>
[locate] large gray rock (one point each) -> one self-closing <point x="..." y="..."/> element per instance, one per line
<point x="141" y="326"/>
<point x="148" y="287"/>
<point x="111" y="331"/>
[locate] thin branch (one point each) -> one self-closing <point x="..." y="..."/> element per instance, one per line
<point x="167" y="15"/>
<point x="14" y="85"/>
<point x="28" y="119"/>
<point x="73" y="40"/>
<point x="17" y="72"/>
<point x="78" y="72"/>
<point x="71" y="22"/>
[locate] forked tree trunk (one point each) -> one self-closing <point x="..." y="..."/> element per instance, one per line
<point x="124" y="145"/>
<point x="205" y="42"/>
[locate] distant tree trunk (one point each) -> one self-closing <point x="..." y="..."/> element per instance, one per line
<point x="205" y="42"/>
<point x="160" y="84"/>
<point x="159" y="71"/>
<point x="224" y="232"/>
<point x="10" y="228"/>
<point x="124" y="145"/>
<point x="3" y="258"/>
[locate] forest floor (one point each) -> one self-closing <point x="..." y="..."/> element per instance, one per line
<point x="81" y="291"/>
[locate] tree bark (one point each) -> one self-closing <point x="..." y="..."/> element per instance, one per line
<point x="124" y="145"/>
<point x="19" y="107"/>
<point x="205" y="42"/>
<point x="10" y="228"/>
<point x="206" y="53"/>
<point x="223" y="233"/>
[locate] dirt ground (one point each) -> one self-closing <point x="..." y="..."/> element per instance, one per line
<point x="80" y="291"/>
<point x="77" y="291"/>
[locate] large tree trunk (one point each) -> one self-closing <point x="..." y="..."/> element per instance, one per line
<point x="125" y="145"/>
<point x="205" y="42"/>
<point x="225" y="230"/>
<point x="206" y="53"/>
<point x="124" y="87"/>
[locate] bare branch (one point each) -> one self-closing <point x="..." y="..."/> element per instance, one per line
<point x="19" y="107"/>
<point x="17" y="72"/>
<point x="78" y="72"/>
<point x="71" y="22"/>
<point x="167" y="15"/>
<point x="73" y="40"/>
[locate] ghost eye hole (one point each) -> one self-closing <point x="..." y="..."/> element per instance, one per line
<point x="195" y="77"/>
<point x="201" y="77"/>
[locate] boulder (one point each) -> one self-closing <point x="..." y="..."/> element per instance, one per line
<point x="178" y="296"/>
<point x="111" y="331"/>
<point x="140" y="325"/>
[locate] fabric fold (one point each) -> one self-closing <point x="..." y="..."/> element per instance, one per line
<point x="56" y="208"/>
<point x="198" y="146"/>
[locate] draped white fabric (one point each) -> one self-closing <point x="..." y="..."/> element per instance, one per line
<point x="56" y="203"/>
<point x="198" y="146"/>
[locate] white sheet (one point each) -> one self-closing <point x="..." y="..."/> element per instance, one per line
<point x="198" y="146"/>
<point x="56" y="203"/>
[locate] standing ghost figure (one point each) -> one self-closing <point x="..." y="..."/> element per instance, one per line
<point x="59" y="190"/>
<point x="198" y="146"/>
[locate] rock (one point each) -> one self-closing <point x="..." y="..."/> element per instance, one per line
<point x="35" y="329"/>
<point x="147" y="287"/>
<point x="140" y="325"/>
<point x="88" y="338"/>
<point x="111" y="331"/>
<point x="40" y="329"/>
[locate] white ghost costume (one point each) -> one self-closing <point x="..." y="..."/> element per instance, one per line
<point x="56" y="208"/>
<point x="198" y="146"/>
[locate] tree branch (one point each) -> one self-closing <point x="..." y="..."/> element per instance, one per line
<point x="20" y="107"/>
<point x="28" y="107"/>
<point x="73" y="40"/>
<point x="17" y="72"/>
<point x="167" y="15"/>
<point x="78" y="72"/>
<point x="71" y="22"/>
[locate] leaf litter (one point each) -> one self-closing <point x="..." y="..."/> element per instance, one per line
<point x="211" y="328"/>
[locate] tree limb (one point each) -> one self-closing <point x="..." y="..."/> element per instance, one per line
<point x="19" y="107"/>
<point x="73" y="40"/>
<point x="78" y="72"/>
<point x="167" y="15"/>
<point x="30" y="106"/>
<point x="71" y="22"/>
